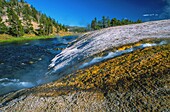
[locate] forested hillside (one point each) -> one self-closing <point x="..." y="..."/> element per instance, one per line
<point x="18" y="18"/>
<point x="106" y="22"/>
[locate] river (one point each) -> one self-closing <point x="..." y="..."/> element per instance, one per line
<point x="23" y="65"/>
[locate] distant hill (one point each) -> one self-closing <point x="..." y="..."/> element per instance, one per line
<point x="77" y="29"/>
<point x="18" y="18"/>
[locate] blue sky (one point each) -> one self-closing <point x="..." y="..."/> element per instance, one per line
<point x="81" y="12"/>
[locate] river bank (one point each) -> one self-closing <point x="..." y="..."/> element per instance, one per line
<point x="4" y="38"/>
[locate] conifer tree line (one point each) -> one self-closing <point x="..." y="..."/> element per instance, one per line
<point x="106" y="22"/>
<point x="18" y="18"/>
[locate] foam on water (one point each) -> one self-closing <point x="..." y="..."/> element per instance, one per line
<point x="19" y="84"/>
<point x="7" y="79"/>
<point x="119" y="53"/>
<point x="24" y="65"/>
<point x="6" y="82"/>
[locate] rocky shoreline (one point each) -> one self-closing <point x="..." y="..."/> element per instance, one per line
<point x="136" y="81"/>
<point x="92" y="43"/>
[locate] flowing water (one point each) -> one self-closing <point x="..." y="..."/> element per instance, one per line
<point x="66" y="62"/>
<point x="119" y="53"/>
<point x="22" y="65"/>
<point x="25" y="65"/>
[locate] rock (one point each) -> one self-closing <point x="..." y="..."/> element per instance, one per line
<point x="101" y="40"/>
<point x="23" y="64"/>
<point x="40" y="59"/>
<point x="137" y="81"/>
<point x="31" y="62"/>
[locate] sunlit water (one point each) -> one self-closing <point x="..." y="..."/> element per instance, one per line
<point x="25" y="65"/>
<point x="60" y="69"/>
<point x="22" y="65"/>
<point x="119" y="53"/>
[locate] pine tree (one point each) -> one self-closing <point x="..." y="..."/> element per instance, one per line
<point x="13" y="2"/>
<point x="22" y="1"/>
<point x="139" y="21"/>
<point x="113" y="22"/>
<point x="108" y="22"/>
<point x="2" y="5"/>
<point x="50" y="28"/>
<point x="34" y="14"/>
<point x="3" y="27"/>
<point x="94" y="24"/>
<point x="99" y="25"/>
<point x="16" y="28"/>
<point x="104" y="21"/>
<point x="21" y="17"/>
<point x="28" y="27"/>
<point x="40" y="31"/>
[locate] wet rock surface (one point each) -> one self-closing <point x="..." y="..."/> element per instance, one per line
<point x="95" y="42"/>
<point x="133" y="82"/>
<point x="136" y="81"/>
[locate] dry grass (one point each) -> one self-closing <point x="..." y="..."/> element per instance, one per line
<point x="61" y="33"/>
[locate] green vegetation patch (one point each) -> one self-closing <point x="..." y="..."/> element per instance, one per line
<point x="10" y="39"/>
